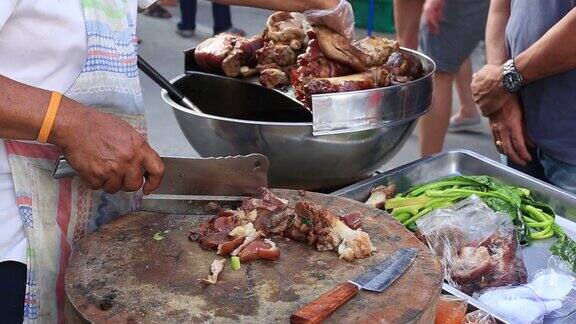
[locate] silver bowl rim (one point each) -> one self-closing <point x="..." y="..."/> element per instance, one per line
<point x="175" y="105"/>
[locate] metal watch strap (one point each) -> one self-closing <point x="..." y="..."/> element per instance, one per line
<point x="511" y="78"/>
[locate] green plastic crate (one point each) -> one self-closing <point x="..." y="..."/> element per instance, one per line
<point x="383" y="14"/>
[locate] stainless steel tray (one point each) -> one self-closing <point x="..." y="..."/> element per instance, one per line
<point x="463" y="162"/>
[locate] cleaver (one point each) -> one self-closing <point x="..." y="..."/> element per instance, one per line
<point x="190" y="184"/>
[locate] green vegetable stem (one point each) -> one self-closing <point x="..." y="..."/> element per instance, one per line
<point x="235" y="262"/>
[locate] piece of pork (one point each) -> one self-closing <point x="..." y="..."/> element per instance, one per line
<point x="405" y="67"/>
<point x="286" y="28"/>
<point x="228" y="247"/>
<point x="380" y="195"/>
<point x="284" y="40"/>
<point x="337" y="47"/>
<point x="262" y="248"/>
<point x="215" y="268"/>
<point x="272" y="78"/>
<point x="375" y="51"/>
<point x="269" y="202"/>
<point x="373" y="78"/>
<point x="327" y="232"/>
<point x="212" y="240"/>
<point x="274" y="223"/>
<point x="228" y="54"/>
<point x="237" y="237"/>
<point x="361" y="54"/>
<point x="210" y="53"/>
<point x="352" y="220"/>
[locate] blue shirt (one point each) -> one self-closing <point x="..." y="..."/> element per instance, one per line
<point x="549" y="103"/>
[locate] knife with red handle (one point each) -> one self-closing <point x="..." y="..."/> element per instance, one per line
<point x="375" y="279"/>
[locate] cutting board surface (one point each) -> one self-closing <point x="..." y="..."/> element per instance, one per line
<point x="120" y="273"/>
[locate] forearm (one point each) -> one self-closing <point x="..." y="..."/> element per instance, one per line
<point x="553" y="53"/>
<point x="282" y="5"/>
<point x="496" y="49"/>
<point x="22" y="110"/>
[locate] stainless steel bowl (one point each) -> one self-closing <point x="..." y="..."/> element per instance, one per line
<point x="231" y="125"/>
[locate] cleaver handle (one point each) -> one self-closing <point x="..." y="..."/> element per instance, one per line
<point x="320" y="308"/>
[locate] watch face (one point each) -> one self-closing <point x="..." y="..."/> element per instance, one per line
<point x="512" y="81"/>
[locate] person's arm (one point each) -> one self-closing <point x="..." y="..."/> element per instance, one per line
<point x="506" y="122"/>
<point x="432" y="13"/>
<point x="553" y="53"/>
<point x="106" y="152"/>
<point x="496" y="49"/>
<point x="335" y="14"/>
<point x="282" y="5"/>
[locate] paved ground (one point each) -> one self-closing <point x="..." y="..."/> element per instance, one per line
<point x="162" y="48"/>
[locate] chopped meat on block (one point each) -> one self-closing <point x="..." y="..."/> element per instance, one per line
<point x="244" y="232"/>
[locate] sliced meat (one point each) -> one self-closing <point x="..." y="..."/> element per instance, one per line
<point x="294" y="233"/>
<point x="224" y="224"/>
<point x="198" y="233"/>
<point x="212" y="240"/>
<point x="228" y="247"/>
<point x="352" y="220"/>
<point x="268" y="202"/>
<point x="261" y="248"/>
<point x="249" y="239"/>
<point x="274" y="223"/>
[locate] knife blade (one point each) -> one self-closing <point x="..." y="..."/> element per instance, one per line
<point x="189" y="184"/>
<point x="375" y="279"/>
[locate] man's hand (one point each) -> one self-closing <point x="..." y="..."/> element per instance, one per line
<point x="487" y="90"/>
<point x="509" y="133"/>
<point x="105" y="151"/>
<point x="432" y="13"/>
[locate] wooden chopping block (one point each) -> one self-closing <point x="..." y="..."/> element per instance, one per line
<point x="121" y="274"/>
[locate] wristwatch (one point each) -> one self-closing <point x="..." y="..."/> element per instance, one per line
<point x="511" y="78"/>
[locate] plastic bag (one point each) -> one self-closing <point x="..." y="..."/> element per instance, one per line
<point x="478" y="247"/>
<point x="339" y="18"/>
<point x="479" y="317"/>
<point x="451" y="310"/>
<point x="550" y="294"/>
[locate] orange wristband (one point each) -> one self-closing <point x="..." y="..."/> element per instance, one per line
<point x="50" y="117"/>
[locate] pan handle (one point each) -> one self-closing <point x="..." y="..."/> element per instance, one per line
<point x="165" y="84"/>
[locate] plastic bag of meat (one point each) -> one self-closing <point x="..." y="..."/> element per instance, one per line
<point x="549" y="294"/>
<point x="478" y="248"/>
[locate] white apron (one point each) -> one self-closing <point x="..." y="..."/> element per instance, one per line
<point x="57" y="213"/>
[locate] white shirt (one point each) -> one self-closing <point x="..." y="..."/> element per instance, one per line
<point x="43" y="44"/>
